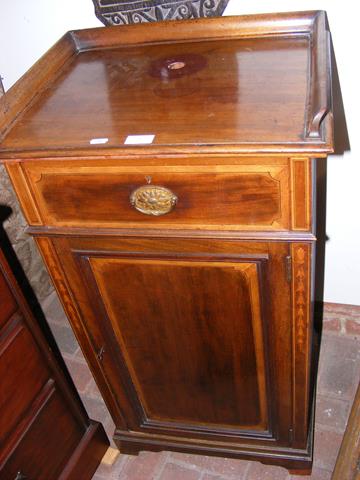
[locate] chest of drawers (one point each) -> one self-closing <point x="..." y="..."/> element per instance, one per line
<point x="168" y="173"/>
<point x="45" y="432"/>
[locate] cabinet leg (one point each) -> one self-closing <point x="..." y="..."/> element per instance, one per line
<point x="127" y="448"/>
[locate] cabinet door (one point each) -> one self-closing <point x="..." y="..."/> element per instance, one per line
<point x="192" y="336"/>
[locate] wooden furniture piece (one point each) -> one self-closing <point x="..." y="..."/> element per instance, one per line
<point x="44" y="430"/>
<point x="348" y="461"/>
<point x="184" y="259"/>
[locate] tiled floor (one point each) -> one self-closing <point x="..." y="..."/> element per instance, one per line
<point x="339" y="373"/>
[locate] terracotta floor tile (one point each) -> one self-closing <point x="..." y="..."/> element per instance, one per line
<point x="232" y="469"/>
<point x="339" y="370"/>
<point x="53" y="310"/>
<point x="92" y="389"/>
<point x="192" y="460"/>
<point x="96" y="409"/>
<point x="112" y="472"/>
<point x="317" y="474"/>
<point x="332" y="412"/>
<point x="326" y="447"/>
<point x="353" y="327"/>
<point x="109" y="427"/>
<point x="332" y="325"/>
<point x="210" y="476"/>
<point x="80" y="374"/>
<point x="65" y="338"/>
<point x="347" y="311"/>
<point x="177" y="472"/>
<point x="144" y="466"/>
<point x="99" y="477"/>
<point x="80" y="356"/>
<point x="258" y="471"/>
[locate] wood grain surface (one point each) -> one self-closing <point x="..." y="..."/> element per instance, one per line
<point x="197" y="324"/>
<point x="242" y="92"/>
<point x="45" y="432"/>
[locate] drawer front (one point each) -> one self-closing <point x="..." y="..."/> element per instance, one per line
<point x="47" y="445"/>
<point x="211" y="197"/>
<point x="22" y="374"/>
<point x="7" y="301"/>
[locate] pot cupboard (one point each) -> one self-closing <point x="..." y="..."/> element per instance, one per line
<point x="168" y="173"/>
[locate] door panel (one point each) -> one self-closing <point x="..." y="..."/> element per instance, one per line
<point x="192" y="337"/>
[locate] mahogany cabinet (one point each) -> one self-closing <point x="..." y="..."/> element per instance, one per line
<point x="168" y="173"/>
<point x="45" y="432"/>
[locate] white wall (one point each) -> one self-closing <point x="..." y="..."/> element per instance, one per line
<point x="342" y="264"/>
<point x="29" y="27"/>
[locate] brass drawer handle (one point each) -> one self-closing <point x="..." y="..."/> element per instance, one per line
<point x="153" y="200"/>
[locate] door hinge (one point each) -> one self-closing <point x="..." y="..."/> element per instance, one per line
<point x="288" y="268"/>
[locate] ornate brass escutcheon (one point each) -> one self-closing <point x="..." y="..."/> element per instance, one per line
<point x="153" y="200"/>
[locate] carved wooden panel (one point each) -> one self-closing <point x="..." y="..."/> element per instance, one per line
<point x="134" y="11"/>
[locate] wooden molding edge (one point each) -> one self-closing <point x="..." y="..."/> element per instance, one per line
<point x="319" y="100"/>
<point x="200" y="28"/>
<point x="132" y="443"/>
<point x="266" y="236"/>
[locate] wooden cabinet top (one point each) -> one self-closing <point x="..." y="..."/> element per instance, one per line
<point x="248" y="84"/>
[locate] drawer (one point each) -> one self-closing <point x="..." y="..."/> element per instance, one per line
<point x="251" y="196"/>
<point x="7" y="301"/>
<point x="47" y="445"/>
<point x="22" y="374"/>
